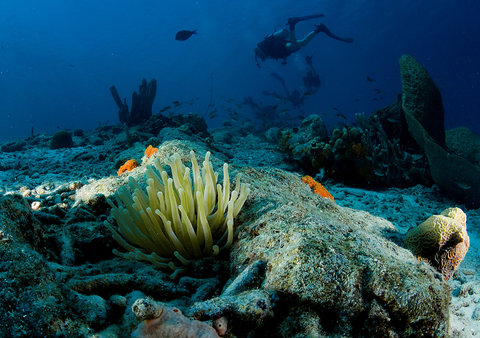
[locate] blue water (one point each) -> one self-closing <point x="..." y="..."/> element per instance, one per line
<point x="58" y="59"/>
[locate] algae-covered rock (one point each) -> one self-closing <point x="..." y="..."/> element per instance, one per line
<point x="422" y="99"/>
<point x="335" y="266"/>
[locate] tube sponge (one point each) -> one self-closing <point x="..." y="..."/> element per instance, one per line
<point x="175" y="222"/>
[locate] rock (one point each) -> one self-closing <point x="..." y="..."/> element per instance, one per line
<point x="335" y="264"/>
<point x="13" y="146"/>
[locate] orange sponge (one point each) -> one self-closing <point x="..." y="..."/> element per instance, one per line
<point x="128" y="166"/>
<point x="317" y="187"/>
<point x="150" y="151"/>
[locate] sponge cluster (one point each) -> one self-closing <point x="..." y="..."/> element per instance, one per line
<point x="177" y="221"/>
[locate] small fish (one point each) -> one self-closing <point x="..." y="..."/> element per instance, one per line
<point x="274" y="107"/>
<point x="221" y="97"/>
<point x="213" y="114"/>
<point x="369" y="79"/>
<point x="211" y="105"/>
<point x="378" y="90"/>
<point x="394" y="120"/>
<point x="463" y="185"/>
<point x="307" y="93"/>
<point x="184" y="35"/>
<point x="340" y="115"/>
<point x="283" y="111"/>
<point x="356" y="100"/>
<point x="238" y="106"/>
<point x="165" y="109"/>
<point x="335" y="108"/>
<point x="69" y="64"/>
<point x="176" y="102"/>
<point x="301" y="117"/>
<point x="374" y="99"/>
<point x="229" y="100"/>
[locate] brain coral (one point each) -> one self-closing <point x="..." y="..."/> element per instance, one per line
<point x="441" y="241"/>
<point x="61" y="139"/>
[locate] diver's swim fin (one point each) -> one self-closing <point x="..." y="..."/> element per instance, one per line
<point x="293" y="21"/>
<point x="279" y="78"/>
<point x="322" y="28"/>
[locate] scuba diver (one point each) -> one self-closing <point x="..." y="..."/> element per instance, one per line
<point x="296" y="98"/>
<point x="312" y="79"/>
<point x="276" y="46"/>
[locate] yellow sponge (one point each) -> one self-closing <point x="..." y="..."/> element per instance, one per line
<point x="176" y="222"/>
<point x="441" y="241"/>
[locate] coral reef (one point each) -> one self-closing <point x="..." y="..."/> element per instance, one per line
<point x="441" y="241"/>
<point x="299" y="264"/>
<point x="364" y="155"/>
<point x="394" y="158"/>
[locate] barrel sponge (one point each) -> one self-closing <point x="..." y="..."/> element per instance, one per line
<point x="421" y="98"/>
<point x="441" y="241"/>
<point x="176" y="221"/>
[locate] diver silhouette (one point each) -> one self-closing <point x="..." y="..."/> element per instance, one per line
<point x="277" y="46"/>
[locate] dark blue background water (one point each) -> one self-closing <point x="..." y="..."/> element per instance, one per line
<point x="58" y="59"/>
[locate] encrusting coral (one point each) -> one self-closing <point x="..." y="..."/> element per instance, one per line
<point x="175" y="222"/>
<point x="441" y="241"/>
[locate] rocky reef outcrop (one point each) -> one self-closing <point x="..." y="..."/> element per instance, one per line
<point x="300" y="265"/>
